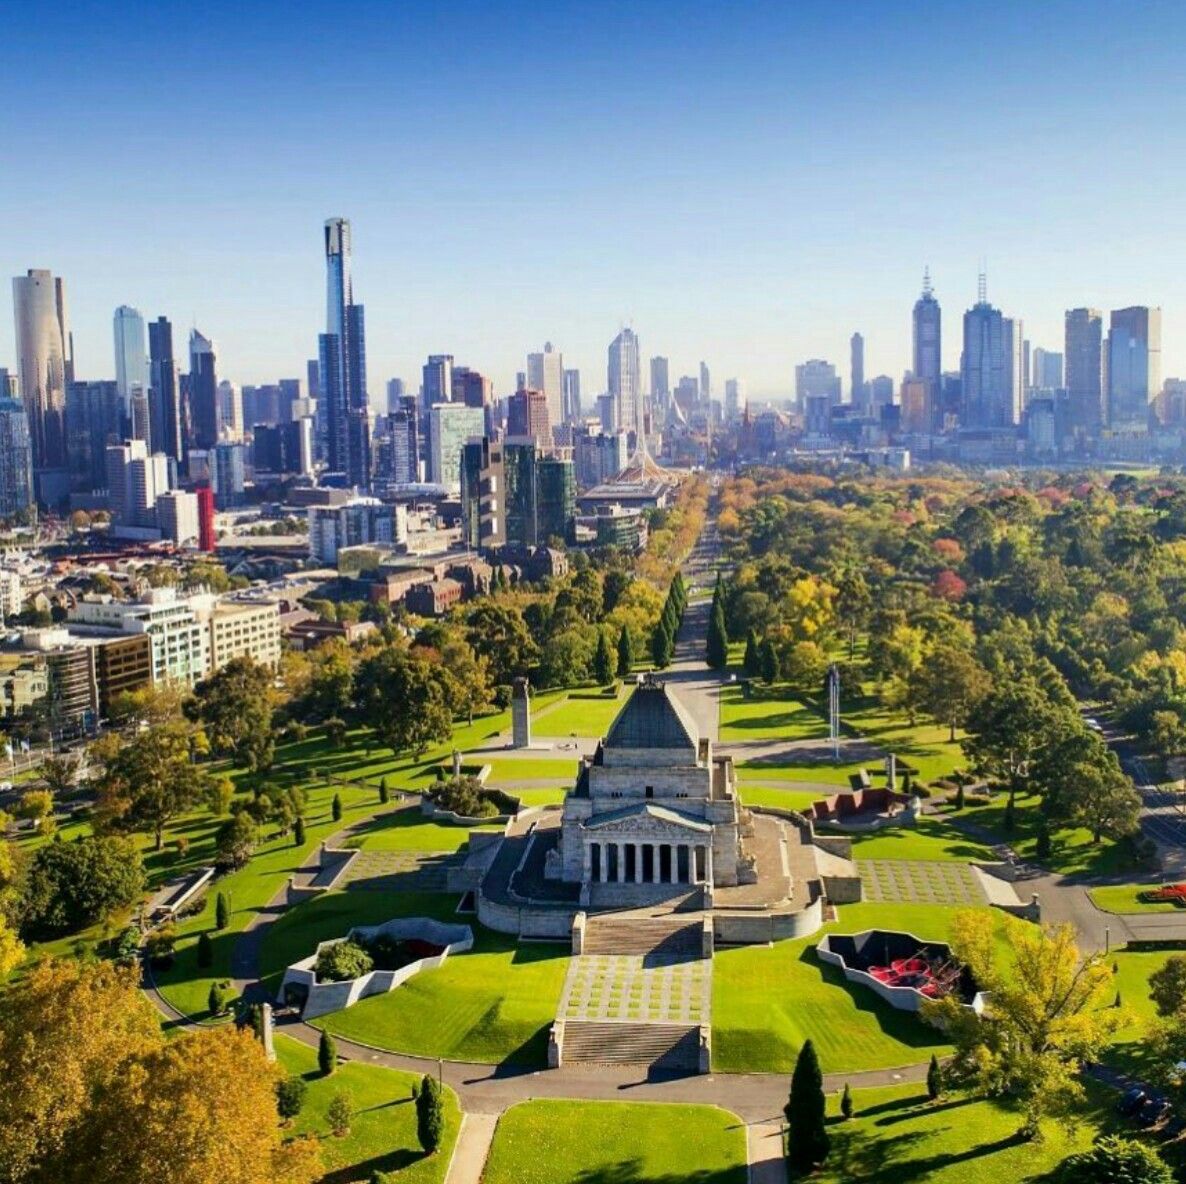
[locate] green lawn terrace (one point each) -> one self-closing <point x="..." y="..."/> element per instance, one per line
<point x="382" y="1134"/>
<point x="559" y="1142"/>
<point x="777" y="716"/>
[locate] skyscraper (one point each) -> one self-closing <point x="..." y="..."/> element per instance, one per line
<point x="1084" y="346"/>
<point x="16" y="459"/>
<point x="625" y="382"/>
<point x="164" y="413"/>
<point x="203" y="390"/>
<point x="436" y="380"/>
<point x="45" y="357"/>
<point x="991" y="367"/>
<point x="856" y="347"/>
<point x="471" y="388"/>
<point x="572" y="395"/>
<point x="660" y="380"/>
<point x="705" y="385"/>
<point x="395" y="392"/>
<point x="545" y="372"/>
<point x="734" y="398"/>
<point x="1047" y="369"/>
<point x="342" y="358"/>
<point x="1134" y="366"/>
<point x="928" y="342"/>
<point x="527" y="415"/>
<point x="131" y="356"/>
<point x="94" y="421"/>
<point x="816" y="377"/>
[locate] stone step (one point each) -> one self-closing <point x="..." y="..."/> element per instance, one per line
<point x="672" y="1046"/>
<point x="604" y="935"/>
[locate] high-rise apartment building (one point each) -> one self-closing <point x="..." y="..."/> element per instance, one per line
<point x="545" y="372"/>
<point x="1134" y="366"/>
<point x="928" y="338"/>
<point x="856" y="371"/>
<point x="1084" y="346"/>
<point x="527" y="415"/>
<point x="131" y="356"/>
<point x="342" y="357"/>
<point x="230" y="411"/>
<point x="472" y="389"/>
<point x="556" y="496"/>
<point x="228" y="473"/>
<point x="94" y="420"/>
<point x="1046" y="370"/>
<point x="735" y="398"/>
<point x="45" y="357"/>
<point x="203" y="390"/>
<point x="16" y="459"/>
<point x="177" y="517"/>
<point x="625" y="381"/>
<point x="395" y="392"/>
<point x="482" y="523"/>
<point x="991" y="367"/>
<point x="572" y="396"/>
<point x="452" y="425"/>
<point x="705" y="385"/>
<point x="436" y="380"/>
<point x="164" y="406"/>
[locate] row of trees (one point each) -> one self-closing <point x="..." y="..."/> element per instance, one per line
<point x="667" y="627"/>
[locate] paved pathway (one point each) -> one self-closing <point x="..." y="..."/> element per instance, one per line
<point x="767" y="1164"/>
<point x="473" y="1146"/>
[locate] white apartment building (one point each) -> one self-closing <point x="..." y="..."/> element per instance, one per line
<point x="11" y="593"/>
<point x="239" y="630"/>
<point x="177" y="516"/>
<point x="359" y="520"/>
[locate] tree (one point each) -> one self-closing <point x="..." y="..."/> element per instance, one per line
<point x="298" y="832"/>
<point x="60" y="774"/>
<point x="35" y="805"/>
<point x="217" y="999"/>
<point x="949" y="684"/>
<point x="804" y="664"/>
<point x="1102" y="798"/>
<point x="235" y="840"/>
<point x="662" y="646"/>
<point x="604" y="667"/>
<point x="1116" y="1160"/>
<point x="341" y="961"/>
<point x="148" y="781"/>
<point x="338" y="1114"/>
<point x="769" y="661"/>
<point x="430" y="1114"/>
<point x="807" y="1137"/>
<point x="234" y="706"/>
<point x="327" y="1054"/>
<point x="717" y="654"/>
<point x="846" y="1106"/>
<point x="625" y="653"/>
<point x="73" y="885"/>
<point x="384" y="792"/>
<point x="934" y="1079"/>
<point x="404" y="699"/>
<point x="471" y="690"/>
<point x="497" y="631"/>
<point x="853" y="603"/>
<point x="222" y="910"/>
<point x="335" y="808"/>
<point x="290" y="1096"/>
<point x="1167" y="985"/>
<point x="12" y="952"/>
<point x="1046" y="1013"/>
<point x="752" y="662"/>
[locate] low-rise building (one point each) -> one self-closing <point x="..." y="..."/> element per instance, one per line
<point x="358" y="520"/>
<point x="433" y="599"/>
<point x="245" y="630"/>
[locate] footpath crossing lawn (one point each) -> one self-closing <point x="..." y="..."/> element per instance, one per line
<point x="920" y="882"/>
<point x="897" y="1137"/>
<point x="547" y="1142"/>
<point x="382" y="1134"/>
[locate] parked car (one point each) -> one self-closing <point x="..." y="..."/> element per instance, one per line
<point x="1093" y="724"/>
<point x="1131" y="1100"/>
<point x="1152" y="1112"/>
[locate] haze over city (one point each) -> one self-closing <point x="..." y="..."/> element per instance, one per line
<point x="745" y="185"/>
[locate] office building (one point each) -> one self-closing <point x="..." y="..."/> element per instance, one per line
<point x="881" y="392"/>
<point x="914" y="414"/>
<point x="527" y="415"/>
<point x="16" y="459"/>
<point x="556" y="499"/>
<point x="164" y="409"/>
<point x="686" y="395"/>
<point x="131" y="356"/>
<point x="927" y="324"/>
<point x="46" y="364"/>
<point x="990" y="367"/>
<point x="545" y="372"/>
<point x="203" y="390"/>
<point x="283" y="447"/>
<point x="342" y="355"/>
<point x="241" y="630"/>
<point x="397" y="459"/>
<point x="572" y="396"/>
<point x="230" y="411"/>
<point x="228" y="474"/>
<point x="856" y="372"/>
<point x="735" y="399"/>
<point x="452" y="424"/>
<point x="660" y="380"/>
<point x="599" y="457"/>
<point x="1046" y="370"/>
<point x="471" y="388"/>
<point x="519" y="492"/>
<point x="1084" y="349"/>
<point x="816" y="378"/>
<point x="118" y="460"/>
<point x="352" y="523"/>
<point x="206" y="533"/>
<point x="482" y="485"/>
<point x="625" y="382"/>
<point x="1134" y="367"/>
<point x="148" y="478"/>
<point x="177" y="517"/>
<point x="705" y="385"/>
<point x="94" y="420"/>
<point x="395" y="392"/>
<point x="437" y="380"/>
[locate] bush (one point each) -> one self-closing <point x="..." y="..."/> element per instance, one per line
<point x="342" y="961"/>
<point x="336" y="808"/>
<point x="217" y="999"/>
<point x="464" y="796"/>
<point x="430" y="1114"/>
<point x="290" y="1097"/>
<point x="338" y="1114"/>
<point x="127" y="945"/>
<point x="846" y="1103"/>
<point x="1115" y="1160"/>
<point x="181" y="843"/>
<point x="919" y="790"/>
<point x="327" y="1055"/>
<point x="222" y="911"/>
<point x="384" y="792"/>
<point x="298" y="832"/>
<point x="335" y="732"/>
<point x="160" y="943"/>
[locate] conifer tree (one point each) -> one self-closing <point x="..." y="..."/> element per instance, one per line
<point x="752" y="663"/>
<point x="625" y="653"/>
<point x="807" y="1139"/>
<point x="603" y="662"/>
<point x="718" y="641"/>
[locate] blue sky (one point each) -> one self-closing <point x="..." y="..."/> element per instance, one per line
<point x="744" y="183"/>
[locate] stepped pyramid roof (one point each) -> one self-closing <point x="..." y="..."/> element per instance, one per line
<point x="653" y="718"/>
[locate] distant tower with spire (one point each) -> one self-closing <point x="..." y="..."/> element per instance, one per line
<point x="928" y="338"/>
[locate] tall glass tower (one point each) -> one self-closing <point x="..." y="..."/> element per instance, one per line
<point x="46" y="358"/>
<point x="131" y="356"/>
<point x="928" y="342"/>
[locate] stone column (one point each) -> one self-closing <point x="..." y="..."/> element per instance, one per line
<point x="651" y="848"/>
<point x="637" y="863"/>
<point x="621" y="873"/>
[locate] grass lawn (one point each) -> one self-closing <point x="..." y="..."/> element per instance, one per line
<point x="383" y="1125"/>
<point x="582" y="713"/>
<point x="767" y="716"/>
<point x="925" y="838"/>
<point x="409" y="830"/>
<point x="1125" y="898"/>
<point x="783" y="799"/>
<point x="490" y="1005"/>
<point x="186" y="985"/>
<point x="896" y="1136"/>
<point x="541" y="797"/>
<point x="554" y="1142"/>
<point x="507" y="772"/>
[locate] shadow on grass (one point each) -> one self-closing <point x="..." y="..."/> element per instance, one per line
<point x="631" y="1171"/>
<point x="391" y="1161"/>
<point x="857" y="1155"/>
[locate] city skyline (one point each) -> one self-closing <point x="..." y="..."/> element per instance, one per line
<point x="756" y="235"/>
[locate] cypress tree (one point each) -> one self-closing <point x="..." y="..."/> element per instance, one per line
<point x="298" y="832"/>
<point x="718" y="641"/>
<point x="661" y="646"/>
<point x="336" y="808"/>
<point x="222" y="911"/>
<point x="752" y="662"/>
<point x="769" y="661"/>
<point x="846" y="1103"/>
<point x="625" y="654"/>
<point x="327" y="1054"/>
<point x="430" y="1115"/>
<point x="807" y="1138"/>
<point x="603" y="662"/>
<point x="384" y="793"/>
<point x="934" y="1079"/>
<point x="216" y="999"/>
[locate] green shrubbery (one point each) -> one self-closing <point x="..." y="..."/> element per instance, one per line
<point x="342" y="961"/>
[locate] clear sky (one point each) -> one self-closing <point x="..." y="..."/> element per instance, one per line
<point x="743" y="183"/>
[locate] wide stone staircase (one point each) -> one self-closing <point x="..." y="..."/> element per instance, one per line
<point x="665" y="1046"/>
<point x="638" y="933"/>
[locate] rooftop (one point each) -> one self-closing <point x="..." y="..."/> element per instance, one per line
<point x="653" y="718"/>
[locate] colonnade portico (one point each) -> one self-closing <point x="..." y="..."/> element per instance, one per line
<point x="628" y="861"/>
